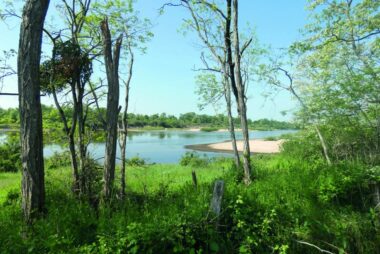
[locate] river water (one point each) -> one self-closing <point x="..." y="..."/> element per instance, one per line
<point x="163" y="146"/>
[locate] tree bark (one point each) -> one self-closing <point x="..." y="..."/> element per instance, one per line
<point x="241" y="98"/>
<point x="29" y="54"/>
<point x="227" y="96"/>
<point x="112" y="70"/>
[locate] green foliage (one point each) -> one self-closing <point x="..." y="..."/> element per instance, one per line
<point x="58" y="160"/>
<point x="209" y="129"/>
<point x="53" y="125"/>
<point x="193" y="159"/>
<point x="136" y="162"/>
<point x="291" y="199"/>
<point x="10" y="155"/>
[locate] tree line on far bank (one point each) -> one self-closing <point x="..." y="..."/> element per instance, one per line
<point x="9" y="118"/>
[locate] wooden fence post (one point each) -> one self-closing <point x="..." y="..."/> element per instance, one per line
<point x="194" y="177"/>
<point x="216" y="201"/>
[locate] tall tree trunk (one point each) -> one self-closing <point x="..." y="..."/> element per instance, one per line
<point x="124" y="127"/>
<point x="227" y="96"/>
<point x="29" y="54"/>
<point x="84" y="177"/>
<point x="241" y="98"/>
<point x="112" y="70"/>
<point x="228" y="45"/>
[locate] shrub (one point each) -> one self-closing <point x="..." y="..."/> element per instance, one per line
<point x="194" y="160"/>
<point x="209" y="129"/>
<point x="58" y="160"/>
<point x="136" y="161"/>
<point x="10" y="155"/>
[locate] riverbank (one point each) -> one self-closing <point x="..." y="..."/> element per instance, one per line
<point x="256" y="145"/>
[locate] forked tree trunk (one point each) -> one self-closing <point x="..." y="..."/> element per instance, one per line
<point x="112" y="70"/>
<point x="241" y="98"/>
<point x="28" y="62"/>
<point x="69" y="131"/>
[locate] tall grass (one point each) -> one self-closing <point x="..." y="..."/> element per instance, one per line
<point x="291" y="200"/>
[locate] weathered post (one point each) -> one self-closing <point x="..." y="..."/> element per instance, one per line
<point x="376" y="196"/>
<point x="194" y="177"/>
<point x="216" y="201"/>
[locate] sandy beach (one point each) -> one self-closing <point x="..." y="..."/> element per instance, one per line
<point x="256" y="145"/>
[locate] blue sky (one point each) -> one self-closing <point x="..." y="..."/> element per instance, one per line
<point x="163" y="79"/>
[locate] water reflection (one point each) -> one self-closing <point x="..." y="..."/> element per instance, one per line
<point x="163" y="146"/>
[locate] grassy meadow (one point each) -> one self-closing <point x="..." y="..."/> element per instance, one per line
<point x="290" y="202"/>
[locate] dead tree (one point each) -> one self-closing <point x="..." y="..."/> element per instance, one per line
<point x="28" y="62"/>
<point x="112" y="69"/>
<point x="226" y="68"/>
<point x="123" y="128"/>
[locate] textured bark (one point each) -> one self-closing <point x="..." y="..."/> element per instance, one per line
<point x="228" y="45"/>
<point x="241" y="98"/>
<point x="112" y="70"/>
<point x="29" y="54"/>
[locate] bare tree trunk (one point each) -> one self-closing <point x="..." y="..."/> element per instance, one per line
<point x="112" y="69"/>
<point x="227" y="96"/>
<point x="320" y="136"/>
<point x="241" y="99"/>
<point x="29" y="54"/>
<point x="124" y="130"/>
<point x="323" y="143"/>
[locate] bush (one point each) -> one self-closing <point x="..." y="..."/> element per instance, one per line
<point x="58" y="160"/>
<point x="194" y="160"/>
<point x="10" y="155"/>
<point x="209" y="129"/>
<point x="136" y="162"/>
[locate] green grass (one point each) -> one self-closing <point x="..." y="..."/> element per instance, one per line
<point x="150" y="178"/>
<point x="290" y="199"/>
<point x="8" y="182"/>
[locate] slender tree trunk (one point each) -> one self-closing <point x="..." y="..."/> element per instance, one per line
<point x="227" y="96"/>
<point x="323" y="143"/>
<point x="123" y="144"/>
<point x="112" y="70"/>
<point x="70" y="135"/>
<point x="241" y="99"/>
<point x="319" y="133"/>
<point x="29" y="54"/>
<point x="84" y="183"/>
<point x="228" y="45"/>
<point x="124" y="131"/>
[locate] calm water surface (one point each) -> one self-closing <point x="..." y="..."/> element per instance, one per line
<point x="163" y="146"/>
